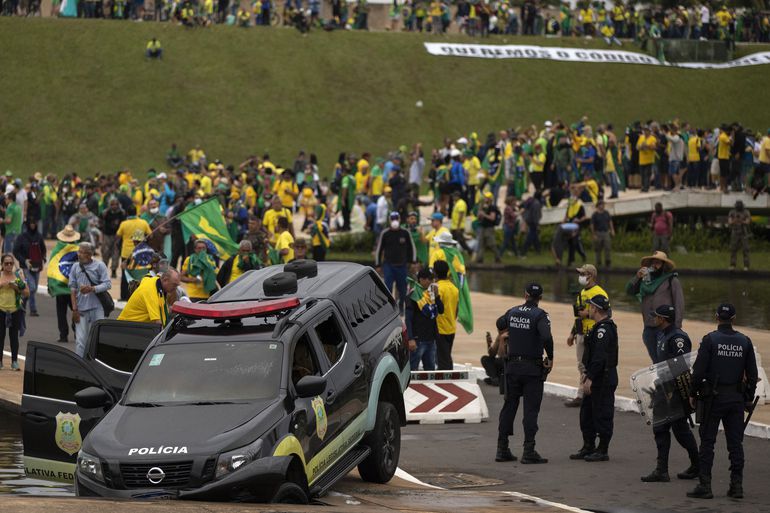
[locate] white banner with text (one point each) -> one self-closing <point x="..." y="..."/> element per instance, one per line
<point x="579" y="55"/>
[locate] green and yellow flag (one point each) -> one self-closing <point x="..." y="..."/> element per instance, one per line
<point x="457" y="268"/>
<point x="63" y="256"/>
<point x="206" y="221"/>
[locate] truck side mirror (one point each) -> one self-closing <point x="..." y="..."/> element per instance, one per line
<point x="310" y="386"/>
<point x="93" y="397"/>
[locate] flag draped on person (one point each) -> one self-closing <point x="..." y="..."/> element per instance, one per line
<point x="207" y="222"/>
<point x="63" y="256"/>
<point x="457" y="270"/>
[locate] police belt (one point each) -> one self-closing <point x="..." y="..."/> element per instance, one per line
<point x="736" y="388"/>
<point x="532" y="359"/>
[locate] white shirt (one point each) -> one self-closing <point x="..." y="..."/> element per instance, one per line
<point x="382" y="210"/>
<point x="704" y="14"/>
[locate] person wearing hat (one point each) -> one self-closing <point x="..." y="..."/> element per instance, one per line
<point x="528" y="337"/>
<point x="489" y="217"/>
<point x="600" y="360"/>
<point x="65" y="237"/>
<point x="394" y="253"/>
<point x="656" y="284"/>
<point x="672" y="343"/>
<point x="725" y="375"/>
<point x="587" y="275"/>
<point x="436" y="228"/>
<point x="459" y="214"/>
<point x="739" y="220"/>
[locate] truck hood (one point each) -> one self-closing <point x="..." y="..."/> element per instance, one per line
<point x="170" y="432"/>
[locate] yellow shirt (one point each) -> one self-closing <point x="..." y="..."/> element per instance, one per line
<point x="285" y="241"/>
<point x="646" y="157"/>
<point x="270" y="219"/>
<point x="362" y="183"/>
<point x="582" y="300"/>
<point x="459" y="212"/>
<point x="764" y="150"/>
<point x="723" y="148"/>
<point x="286" y="189"/>
<point x="450" y="296"/>
<point x="126" y="230"/>
<point x="432" y="245"/>
<point x="440" y="254"/>
<point x="195" y="289"/>
<point x="362" y="164"/>
<point x="236" y="271"/>
<point x="7" y="299"/>
<point x="538" y="163"/>
<point x="693" y="147"/>
<point x="146" y="304"/>
<point x="206" y="184"/>
<point x="377" y="185"/>
<point x="472" y="167"/>
<point x="251" y="196"/>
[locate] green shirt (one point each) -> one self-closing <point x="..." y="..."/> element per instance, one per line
<point x="349" y="183"/>
<point x="13" y="211"/>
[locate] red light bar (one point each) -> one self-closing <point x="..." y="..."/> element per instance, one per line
<point x="233" y="310"/>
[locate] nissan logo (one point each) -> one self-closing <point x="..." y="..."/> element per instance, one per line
<point x="155" y="475"/>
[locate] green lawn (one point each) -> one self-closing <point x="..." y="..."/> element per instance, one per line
<point x="78" y="95"/>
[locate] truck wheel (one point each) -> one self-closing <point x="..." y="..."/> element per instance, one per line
<point x="290" y="493"/>
<point x="385" y="444"/>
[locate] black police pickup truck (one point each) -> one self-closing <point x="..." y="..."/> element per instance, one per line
<point x="277" y="386"/>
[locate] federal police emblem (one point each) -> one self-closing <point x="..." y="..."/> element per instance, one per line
<point x="321" y="423"/>
<point x="68" y="432"/>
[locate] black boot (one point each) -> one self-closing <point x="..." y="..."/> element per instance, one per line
<point x="659" y="475"/>
<point x="736" y="488"/>
<point x="600" y="454"/>
<point x="503" y="452"/>
<point x="703" y="490"/>
<point x="530" y="455"/>
<point x="691" y="472"/>
<point x="589" y="446"/>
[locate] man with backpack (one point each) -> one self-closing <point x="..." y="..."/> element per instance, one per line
<point x="29" y="250"/>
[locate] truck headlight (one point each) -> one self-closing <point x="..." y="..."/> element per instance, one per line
<point x="90" y="466"/>
<point x="233" y="460"/>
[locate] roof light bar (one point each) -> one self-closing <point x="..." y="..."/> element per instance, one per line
<point x="233" y="310"/>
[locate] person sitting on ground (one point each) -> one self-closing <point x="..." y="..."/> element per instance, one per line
<point x="493" y="362"/>
<point x="154" y="49"/>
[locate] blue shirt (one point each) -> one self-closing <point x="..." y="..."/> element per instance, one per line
<point x="97" y="271"/>
<point x="588" y="152"/>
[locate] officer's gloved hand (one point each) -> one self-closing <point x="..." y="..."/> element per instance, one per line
<point x="748" y="406"/>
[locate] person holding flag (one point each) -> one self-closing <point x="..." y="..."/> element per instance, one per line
<point x="245" y="260"/>
<point x="413" y="227"/>
<point x="447" y="251"/>
<point x="199" y="273"/>
<point x="206" y="222"/>
<point x="423" y="306"/>
<point x="63" y="256"/>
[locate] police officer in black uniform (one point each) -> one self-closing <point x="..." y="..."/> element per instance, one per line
<point x="529" y="334"/>
<point x="600" y="359"/>
<point x="672" y="342"/>
<point x="725" y="377"/>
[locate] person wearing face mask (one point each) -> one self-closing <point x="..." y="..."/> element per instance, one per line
<point x="587" y="275"/>
<point x="656" y="284"/>
<point x="600" y="359"/>
<point x="395" y="251"/>
<point x="160" y="228"/>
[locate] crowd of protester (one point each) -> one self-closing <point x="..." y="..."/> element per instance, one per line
<point x="705" y="21"/>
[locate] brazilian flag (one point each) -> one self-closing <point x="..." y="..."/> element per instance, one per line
<point x="456" y="268"/>
<point x="416" y="289"/>
<point x="63" y="257"/>
<point x="206" y="221"/>
<point x="419" y="245"/>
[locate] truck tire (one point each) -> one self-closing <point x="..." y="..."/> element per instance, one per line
<point x="384" y="441"/>
<point x="290" y="493"/>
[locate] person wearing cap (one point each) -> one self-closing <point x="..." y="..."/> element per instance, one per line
<point x="436" y="228"/>
<point x="459" y="214"/>
<point x="646" y="145"/>
<point x="489" y="217"/>
<point x="394" y="253"/>
<point x="600" y="360"/>
<point x="739" y="221"/>
<point x="587" y="275"/>
<point x="672" y="343"/>
<point x="656" y="284"/>
<point x="423" y="307"/>
<point x="725" y="374"/>
<point x="528" y="337"/>
<point x="457" y="178"/>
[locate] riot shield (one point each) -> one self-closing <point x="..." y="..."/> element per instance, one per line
<point x="662" y="390"/>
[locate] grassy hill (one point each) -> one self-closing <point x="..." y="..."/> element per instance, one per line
<point x="79" y="95"/>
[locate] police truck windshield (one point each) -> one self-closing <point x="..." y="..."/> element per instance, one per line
<point x="207" y="373"/>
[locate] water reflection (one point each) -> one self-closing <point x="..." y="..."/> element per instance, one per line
<point x="12" y="477"/>
<point x="702" y="294"/>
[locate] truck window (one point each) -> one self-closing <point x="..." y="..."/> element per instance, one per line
<point x="59" y="378"/>
<point x="330" y="335"/>
<point x="303" y="361"/>
<point x="122" y="349"/>
<point x="367" y="306"/>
